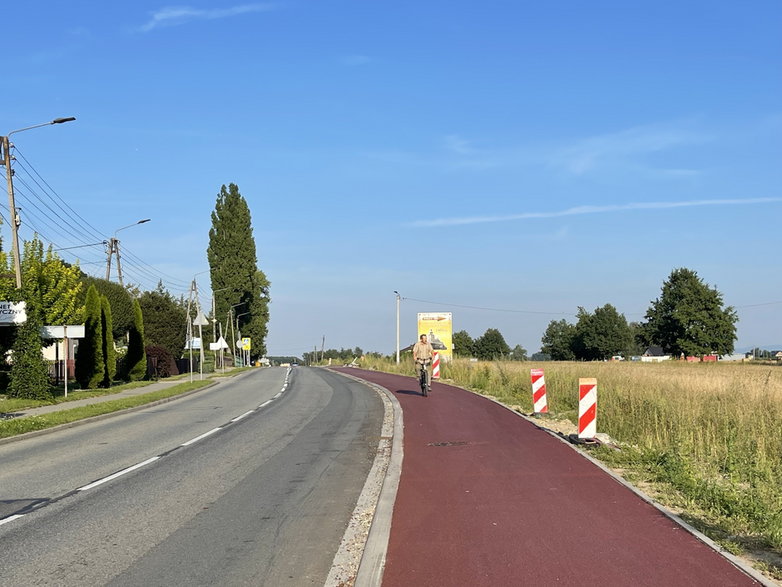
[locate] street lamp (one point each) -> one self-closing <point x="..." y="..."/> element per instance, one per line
<point x="398" y="298"/>
<point x="113" y="244"/>
<point x="14" y="220"/>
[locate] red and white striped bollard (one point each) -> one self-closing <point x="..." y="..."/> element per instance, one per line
<point x="436" y="366"/>
<point x="539" y="403"/>
<point x="587" y="408"/>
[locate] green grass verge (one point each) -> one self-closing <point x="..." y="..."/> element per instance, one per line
<point x="10" y="405"/>
<point x="22" y="425"/>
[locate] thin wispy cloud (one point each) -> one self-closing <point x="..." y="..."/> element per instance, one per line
<point x="582" y="210"/>
<point x="593" y="152"/>
<point x="458" y="144"/>
<point x="632" y="151"/>
<point x="178" y="15"/>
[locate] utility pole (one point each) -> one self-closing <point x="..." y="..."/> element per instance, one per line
<point x="200" y="322"/>
<point x="113" y="249"/>
<point x="113" y="246"/>
<point x="322" y="346"/>
<point x="190" y="328"/>
<point x="398" y="298"/>
<point x="14" y="220"/>
<point x="214" y="330"/>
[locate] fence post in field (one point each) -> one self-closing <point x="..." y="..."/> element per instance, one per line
<point x="539" y="403"/>
<point x="587" y="408"/>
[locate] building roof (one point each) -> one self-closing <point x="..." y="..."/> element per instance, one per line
<point x="654" y="351"/>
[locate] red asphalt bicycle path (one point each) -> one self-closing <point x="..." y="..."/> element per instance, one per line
<point x="487" y="498"/>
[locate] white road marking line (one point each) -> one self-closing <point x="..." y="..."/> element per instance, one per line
<point x="117" y="474"/>
<point x="266" y="403"/>
<point x="242" y="416"/>
<point x="277" y="396"/>
<point x="11" y="518"/>
<point x="204" y="435"/>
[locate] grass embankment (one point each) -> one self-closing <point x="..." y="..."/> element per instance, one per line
<point x="704" y="439"/>
<point x="17" y="426"/>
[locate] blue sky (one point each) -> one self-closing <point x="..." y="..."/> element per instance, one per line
<point x="502" y="160"/>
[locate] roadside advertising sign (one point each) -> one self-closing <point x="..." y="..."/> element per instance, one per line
<point x="13" y="313"/>
<point x="438" y="328"/>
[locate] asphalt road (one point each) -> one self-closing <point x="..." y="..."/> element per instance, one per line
<point x="249" y="483"/>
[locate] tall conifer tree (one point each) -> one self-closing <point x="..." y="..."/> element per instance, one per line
<point x="236" y="279"/>
<point x="109" y="354"/>
<point x="89" y="356"/>
<point x="136" y="359"/>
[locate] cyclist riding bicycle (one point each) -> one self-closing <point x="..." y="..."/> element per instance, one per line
<point x="422" y="355"/>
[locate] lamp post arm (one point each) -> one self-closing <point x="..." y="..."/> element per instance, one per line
<point x="55" y="121"/>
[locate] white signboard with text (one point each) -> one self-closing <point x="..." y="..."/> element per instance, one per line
<point x="72" y="331"/>
<point x="13" y="313"/>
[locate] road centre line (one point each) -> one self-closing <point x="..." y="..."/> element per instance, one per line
<point x="117" y="474"/>
<point x="201" y="437"/>
<point x="11" y="518"/>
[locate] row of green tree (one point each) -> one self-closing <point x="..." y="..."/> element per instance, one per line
<point x="688" y="318"/>
<point x="490" y="346"/>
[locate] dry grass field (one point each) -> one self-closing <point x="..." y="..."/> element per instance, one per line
<point x="705" y="439"/>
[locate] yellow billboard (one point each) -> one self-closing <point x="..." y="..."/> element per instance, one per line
<point x="438" y="328"/>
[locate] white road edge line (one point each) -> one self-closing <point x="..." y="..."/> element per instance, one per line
<point x="204" y="435"/>
<point x="117" y="474"/>
<point x="362" y="552"/>
<point x="266" y="403"/>
<point x="247" y="413"/>
<point x="11" y="518"/>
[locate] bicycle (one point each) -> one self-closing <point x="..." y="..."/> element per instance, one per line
<point x="423" y="377"/>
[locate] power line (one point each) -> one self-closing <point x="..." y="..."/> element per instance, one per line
<point x="66" y="209"/>
<point x="491" y="309"/>
<point x="758" y="305"/>
<point x="45" y="209"/>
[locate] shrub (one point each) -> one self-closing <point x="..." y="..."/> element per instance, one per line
<point x="29" y="373"/>
<point x="162" y="364"/>
<point x="136" y="359"/>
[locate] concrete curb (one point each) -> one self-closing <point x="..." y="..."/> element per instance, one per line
<point x="361" y="557"/>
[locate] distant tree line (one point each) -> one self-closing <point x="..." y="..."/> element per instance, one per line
<point x="759" y="353"/>
<point x="688" y="318"/>
<point x="490" y="346"/>
<point x="341" y="356"/>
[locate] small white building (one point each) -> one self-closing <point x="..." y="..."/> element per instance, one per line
<point x="654" y="354"/>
